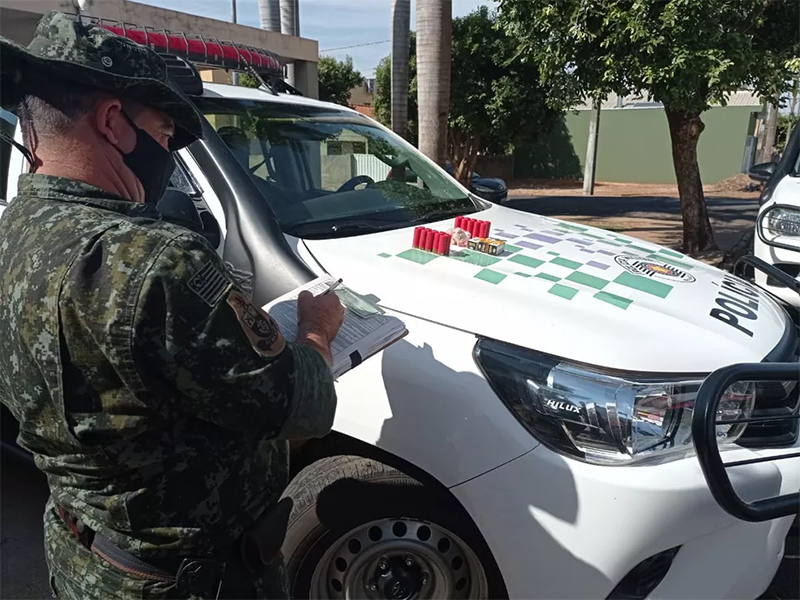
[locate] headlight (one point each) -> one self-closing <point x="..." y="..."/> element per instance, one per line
<point x="599" y="417"/>
<point x="783" y="221"/>
<point x="483" y="189"/>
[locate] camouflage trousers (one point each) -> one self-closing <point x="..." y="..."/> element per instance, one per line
<point x="76" y="573"/>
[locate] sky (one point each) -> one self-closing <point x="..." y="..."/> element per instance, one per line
<point x="334" y="23"/>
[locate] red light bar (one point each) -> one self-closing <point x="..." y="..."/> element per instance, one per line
<point x="197" y="49"/>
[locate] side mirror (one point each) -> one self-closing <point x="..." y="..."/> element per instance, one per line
<point x="763" y="171"/>
<point x="177" y="207"/>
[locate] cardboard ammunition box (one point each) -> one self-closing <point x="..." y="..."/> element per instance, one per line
<point x="487" y="245"/>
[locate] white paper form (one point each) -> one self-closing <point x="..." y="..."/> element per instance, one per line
<point x="358" y="338"/>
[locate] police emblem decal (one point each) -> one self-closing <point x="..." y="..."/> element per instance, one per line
<point x="653" y="268"/>
<point x="258" y="327"/>
<point x="210" y="283"/>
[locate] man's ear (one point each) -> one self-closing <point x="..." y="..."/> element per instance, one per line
<point x="111" y="123"/>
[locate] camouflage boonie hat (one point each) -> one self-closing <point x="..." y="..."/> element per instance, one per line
<point x="68" y="49"/>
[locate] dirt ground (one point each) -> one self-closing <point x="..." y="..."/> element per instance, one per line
<point x="738" y="186"/>
<point x="658" y="226"/>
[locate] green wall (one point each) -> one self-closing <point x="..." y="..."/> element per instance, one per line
<point x="634" y="146"/>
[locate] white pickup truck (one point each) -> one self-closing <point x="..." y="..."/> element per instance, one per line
<point x="777" y="239"/>
<point x="542" y="431"/>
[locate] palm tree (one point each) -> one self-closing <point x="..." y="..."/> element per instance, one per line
<point x="288" y="14"/>
<point x="401" y="33"/>
<point x="85" y="7"/>
<point x="269" y="12"/>
<point x="434" y="38"/>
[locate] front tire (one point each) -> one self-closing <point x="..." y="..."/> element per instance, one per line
<point x="361" y="529"/>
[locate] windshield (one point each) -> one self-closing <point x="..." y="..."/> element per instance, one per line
<point x="326" y="172"/>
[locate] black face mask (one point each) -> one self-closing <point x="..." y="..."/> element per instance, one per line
<point x="151" y="163"/>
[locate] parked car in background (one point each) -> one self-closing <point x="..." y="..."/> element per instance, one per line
<point x="492" y="189"/>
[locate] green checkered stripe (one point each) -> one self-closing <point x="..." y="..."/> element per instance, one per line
<point x="565" y="278"/>
<point x="592" y="242"/>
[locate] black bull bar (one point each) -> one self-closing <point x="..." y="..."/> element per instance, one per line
<point x="715" y="470"/>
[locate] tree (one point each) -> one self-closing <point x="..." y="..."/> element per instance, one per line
<point x="249" y="80"/>
<point x="686" y="54"/>
<point x="336" y="79"/>
<point x="434" y="35"/>
<point x="401" y="35"/>
<point x="382" y="100"/>
<point x="269" y="12"/>
<point x="786" y="124"/>
<point x="496" y="101"/>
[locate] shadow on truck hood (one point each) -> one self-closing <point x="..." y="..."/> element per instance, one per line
<point x="580" y="293"/>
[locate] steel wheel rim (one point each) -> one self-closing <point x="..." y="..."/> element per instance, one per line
<point x="399" y="559"/>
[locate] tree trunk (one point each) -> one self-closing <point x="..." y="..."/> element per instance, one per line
<point x="269" y="12"/>
<point x="771" y="134"/>
<point x="434" y="38"/>
<point x="288" y="23"/>
<point x="465" y="154"/>
<point x="401" y="37"/>
<point x="85" y="8"/>
<point x="685" y="129"/>
<point x="590" y="170"/>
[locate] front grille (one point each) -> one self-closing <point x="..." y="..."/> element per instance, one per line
<point x="775" y="399"/>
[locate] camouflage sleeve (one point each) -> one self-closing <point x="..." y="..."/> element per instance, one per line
<point x="215" y="355"/>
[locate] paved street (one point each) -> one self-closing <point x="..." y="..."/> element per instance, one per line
<point x="23" y="492"/>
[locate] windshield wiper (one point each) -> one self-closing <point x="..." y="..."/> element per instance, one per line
<point x="340" y="228"/>
<point x="438" y="215"/>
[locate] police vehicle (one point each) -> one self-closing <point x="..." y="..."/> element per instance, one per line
<point x="777" y="239"/>
<point x="586" y="415"/>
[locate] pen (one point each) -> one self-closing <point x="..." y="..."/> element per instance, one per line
<point x="332" y="287"/>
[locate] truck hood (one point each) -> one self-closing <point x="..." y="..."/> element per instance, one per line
<point x="575" y="292"/>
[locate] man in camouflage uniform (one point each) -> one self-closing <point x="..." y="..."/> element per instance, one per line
<point x="158" y="401"/>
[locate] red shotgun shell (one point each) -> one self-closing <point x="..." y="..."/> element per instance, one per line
<point x="417" y="235"/>
<point x="429" y="233"/>
<point x="443" y="244"/>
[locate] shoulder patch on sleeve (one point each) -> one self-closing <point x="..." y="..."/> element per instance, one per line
<point x="260" y="329"/>
<point x="209" y="283"/>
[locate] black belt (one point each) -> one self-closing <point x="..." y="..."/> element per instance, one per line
<point x="194" y="576"/>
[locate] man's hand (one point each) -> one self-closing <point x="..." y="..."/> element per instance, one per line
<point x="319" y="319"/>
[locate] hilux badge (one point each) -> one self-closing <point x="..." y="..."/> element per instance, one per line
<point x="560" y="405"/>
